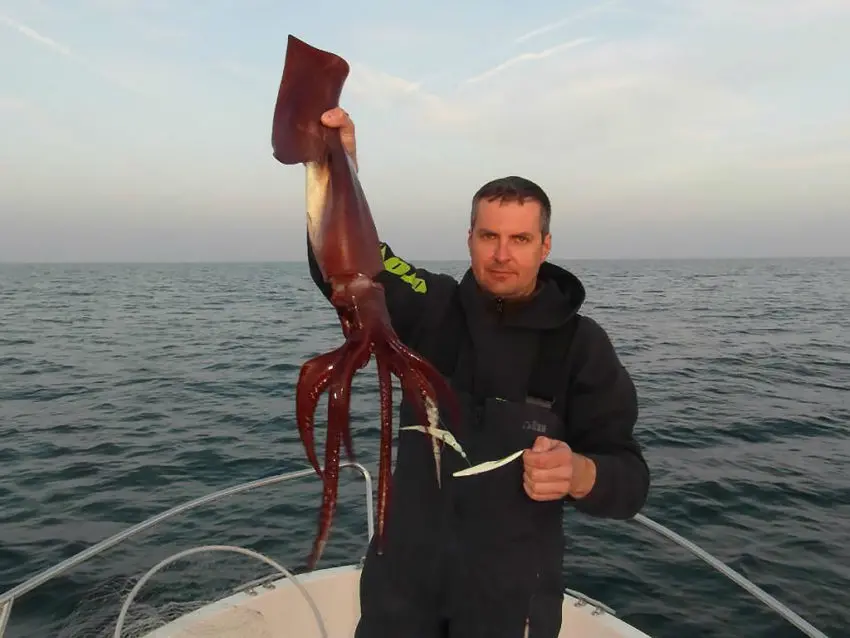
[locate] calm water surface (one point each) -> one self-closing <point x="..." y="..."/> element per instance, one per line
<point x="126" y="389"/>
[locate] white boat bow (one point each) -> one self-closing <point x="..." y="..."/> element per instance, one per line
<point x="325" y="603"/>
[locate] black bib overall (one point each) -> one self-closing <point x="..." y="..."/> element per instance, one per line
<point x="477" y="557"/>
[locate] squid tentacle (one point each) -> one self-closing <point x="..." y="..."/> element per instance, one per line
<point x="420" y="393"/>
<point x="436" y="386"/>
<point x="385" y="455"/>
<point x="314" y="378"/>
<point x="339" y="400"/>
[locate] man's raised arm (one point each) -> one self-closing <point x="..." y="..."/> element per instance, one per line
<point x="409" y="291"/>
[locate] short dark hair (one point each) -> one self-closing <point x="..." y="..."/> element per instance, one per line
<point x="514" y="189"/>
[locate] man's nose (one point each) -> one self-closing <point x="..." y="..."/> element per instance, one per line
<point x="502" y="253"/>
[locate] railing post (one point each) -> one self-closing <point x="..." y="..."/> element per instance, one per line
<point x="5" y="612"/>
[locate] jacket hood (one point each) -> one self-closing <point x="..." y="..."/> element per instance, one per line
<point x="558" y="297"/>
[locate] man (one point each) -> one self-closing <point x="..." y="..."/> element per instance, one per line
<point x="482" y="555"/>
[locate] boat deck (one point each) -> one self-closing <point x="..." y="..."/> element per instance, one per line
<point x="280" y="609"/>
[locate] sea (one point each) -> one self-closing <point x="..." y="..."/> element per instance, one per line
<point x="126" y="389"/>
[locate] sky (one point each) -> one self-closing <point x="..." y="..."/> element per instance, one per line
<point x="139" y="130"/>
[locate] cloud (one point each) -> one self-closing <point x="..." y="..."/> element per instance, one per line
<point x="364" y="81"/>
<point x="33" y="35"/>
<point x="118" y="78"/>
<point x="690" y="115"/>
<point x="569" y="20"/>
<point x="528" y="57"/>
<point x="370" y="87"/>
<point x="421" y="109"/>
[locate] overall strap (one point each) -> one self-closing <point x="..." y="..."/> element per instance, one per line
<point x="448" y="337"/>
<point x="547" y="382"/>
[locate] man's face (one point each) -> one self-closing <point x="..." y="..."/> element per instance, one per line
<point x="506" y="247"/>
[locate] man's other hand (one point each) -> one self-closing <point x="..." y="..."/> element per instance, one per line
<point x="548" y="469"/>
<point x="553" y="471"/>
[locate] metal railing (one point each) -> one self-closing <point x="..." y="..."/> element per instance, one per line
<point x="8" y="598"/>
<point x="771" y="602"/>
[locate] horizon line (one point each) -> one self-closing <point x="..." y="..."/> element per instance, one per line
<point x="417" y="260"/>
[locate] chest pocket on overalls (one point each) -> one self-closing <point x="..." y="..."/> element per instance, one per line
<point x="497" y="497"/>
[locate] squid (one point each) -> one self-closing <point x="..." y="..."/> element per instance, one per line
<point x="345" y="243"/>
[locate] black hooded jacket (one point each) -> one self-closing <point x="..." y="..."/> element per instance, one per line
<point x="599" y="396"/>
